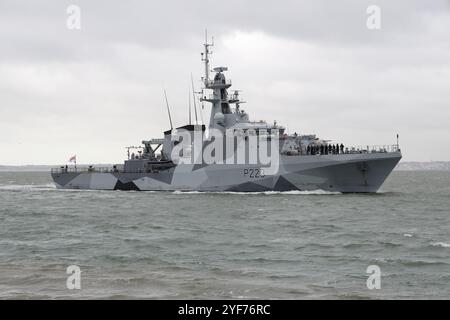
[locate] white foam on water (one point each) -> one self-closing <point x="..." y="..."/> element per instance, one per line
<point x="293" y="192"/>
<point x="27" y="187"/>
<point x="441" y="244"/>
<point x="51" y="186"/>
<point x="408" y="235"/>
<point x="305" y="192"/>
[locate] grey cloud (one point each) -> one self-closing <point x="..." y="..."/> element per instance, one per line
<point x="310" y="64"/>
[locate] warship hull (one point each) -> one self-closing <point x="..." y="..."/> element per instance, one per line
<point x="346" y="173"/>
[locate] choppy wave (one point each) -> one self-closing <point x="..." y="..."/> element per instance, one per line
<point x="245" y="245"/>
<point x="421" y="263"/>
<point x="27" y="187"/>
<point x="441" y="244"/>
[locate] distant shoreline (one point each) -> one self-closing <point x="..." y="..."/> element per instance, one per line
<point x="402" y="166"/>
<point x="423" y="166"/>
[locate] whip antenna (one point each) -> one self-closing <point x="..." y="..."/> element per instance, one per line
<point x="189" y="96"/>
<point x="195" y="104"/>
<point x="168" y="110"/>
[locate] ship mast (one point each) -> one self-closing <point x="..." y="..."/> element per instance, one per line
<point x="205" y="58"/>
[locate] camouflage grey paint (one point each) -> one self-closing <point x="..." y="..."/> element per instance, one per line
<point x="340" y="172"/>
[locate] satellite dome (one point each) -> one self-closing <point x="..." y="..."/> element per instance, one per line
<point x="219" y="118"/>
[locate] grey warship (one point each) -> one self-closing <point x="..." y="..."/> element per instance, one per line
<point x="302" y="162"/>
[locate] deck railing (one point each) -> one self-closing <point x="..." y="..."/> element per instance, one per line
<point x="99" y="170"/>
<point x="214" y="83"/>
<point x="348" y="150"/>
<point x="373" y="149"/>
<point x="71" y="169"/>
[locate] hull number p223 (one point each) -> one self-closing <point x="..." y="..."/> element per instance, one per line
<point x="254" y="173"/>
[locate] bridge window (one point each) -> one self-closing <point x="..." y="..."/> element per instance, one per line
<point x="226" y="108"/>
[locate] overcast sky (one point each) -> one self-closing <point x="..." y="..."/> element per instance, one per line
<point x="311" y="65"/>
